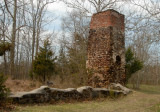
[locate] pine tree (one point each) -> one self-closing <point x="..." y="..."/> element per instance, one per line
<point x="44" y="63"/>
<point x="132" y="64"/>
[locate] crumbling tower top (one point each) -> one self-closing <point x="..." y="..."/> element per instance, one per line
<point x="107" y="18"/>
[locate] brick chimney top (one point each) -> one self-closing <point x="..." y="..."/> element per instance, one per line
<point x="107" y="18"/>
<point x="109" y="10"/>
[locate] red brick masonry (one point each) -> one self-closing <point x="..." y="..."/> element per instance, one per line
<point x="106" y="49"/>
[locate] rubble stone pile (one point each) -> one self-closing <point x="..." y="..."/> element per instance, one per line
<point x="45" y="94"/>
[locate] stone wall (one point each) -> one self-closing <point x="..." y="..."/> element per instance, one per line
<point x="106" y="49"/>
<point x="46" y="94"/>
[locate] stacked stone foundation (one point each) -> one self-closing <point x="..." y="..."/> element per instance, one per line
<point x="46" y="94"/>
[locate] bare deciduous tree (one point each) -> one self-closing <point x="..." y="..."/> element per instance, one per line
<point x="91" y="6"/>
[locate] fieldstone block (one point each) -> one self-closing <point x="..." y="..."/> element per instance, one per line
<point x="86" y="92"/>
<point x="45" y="94"/>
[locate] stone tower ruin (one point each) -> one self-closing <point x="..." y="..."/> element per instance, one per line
<point x="106" y="49"/>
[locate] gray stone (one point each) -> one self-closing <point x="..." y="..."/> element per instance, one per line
<point x="86" y="92"/>
<point x="46" y="94"/>
<point x="100" y="92"/>
<point x="119" y="87"/>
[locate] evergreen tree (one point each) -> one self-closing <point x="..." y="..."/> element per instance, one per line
<point x="44" y="63"/>
<point x="132" y="64"/>
<point x="3" y="90"/>
<point x="4" y="46"/>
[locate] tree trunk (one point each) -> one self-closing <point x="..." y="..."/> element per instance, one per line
<point x="5" y="61"/>
<point x="33" y="41"/>
<point x="37" y="42"/>
<point x="17" y="65"/>
<point x="13" y="40"/>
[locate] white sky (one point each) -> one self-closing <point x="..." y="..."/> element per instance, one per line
<point x="60" y="9"/>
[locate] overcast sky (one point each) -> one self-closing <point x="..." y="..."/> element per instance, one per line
<point x="59" y="9"/>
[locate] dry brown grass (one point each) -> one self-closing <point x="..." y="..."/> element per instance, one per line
<point x="21" y="85"/>
<point x="28" y="85"/>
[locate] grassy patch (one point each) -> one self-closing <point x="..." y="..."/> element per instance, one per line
<point x="147" y="99"/>
<point x="150" y="89"/>
<point x="156" y="108"/>
<point x="73" y="107"/>
<point x="135" y="102"/>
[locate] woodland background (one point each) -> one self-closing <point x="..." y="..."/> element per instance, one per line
<point x="24" y="26"/>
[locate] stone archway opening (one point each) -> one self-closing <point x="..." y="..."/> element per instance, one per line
<point x="118" y="60"/>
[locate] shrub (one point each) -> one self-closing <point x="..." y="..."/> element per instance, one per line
<point x="3" y="90"/>
<point x="132" y="64"/>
